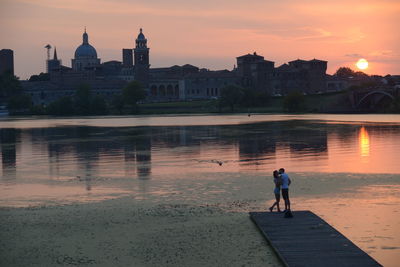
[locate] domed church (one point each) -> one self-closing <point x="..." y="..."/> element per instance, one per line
<point x="173" y="83"/>
<point x="85" y="55"/>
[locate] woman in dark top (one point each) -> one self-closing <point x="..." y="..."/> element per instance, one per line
<point x="277" y="190"/>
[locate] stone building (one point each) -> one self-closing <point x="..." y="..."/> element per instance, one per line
<point x="206" y="84"/>
<point x="53" y="64"/>
<point x="175" y="83"/>
<point x="6" y="61"/>
<point x="335" y="84"/>
<point x="187" y="82"/>
<point x="315" y="74"/>
<point x="141" y="58"/>
<point x="255" y="72"/>
<point x="127" y="58"/>
<point x="308" y="77"/>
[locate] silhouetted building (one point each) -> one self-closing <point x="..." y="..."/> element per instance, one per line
<point x="206" y="84"/>
<point x="53" y="64"/>
<point x="173" y="83"/>
<point x="85" y="55"/>
<point x="6" y="61"/>
<point x="308" y="77"/>
<point x="109" y="69"/>
<point x="255" y="72"/>
<point x="315" y="71"/>
<point x="142" y="65"/>
<point x="335" y="84"/>
<point x="127" y="57"/>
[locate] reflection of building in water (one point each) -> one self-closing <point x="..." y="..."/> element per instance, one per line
<point x="9" y="138"/>
<point x="55" y="150"/>
<point x="182" y="135"/>
<point x="136" y="145"/>
<point x="44" y="142"/>
<point x="143" y="157"/>
<point x="175" y="136"/>
<point x="129" y="158"/>
<point x="186" y="138"/>
<point x="363" y="140"/>
<point x="87" y="153"/>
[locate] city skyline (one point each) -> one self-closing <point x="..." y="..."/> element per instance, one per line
<point x="210" y="34"/>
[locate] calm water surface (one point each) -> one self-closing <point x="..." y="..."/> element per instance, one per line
<point x="346" y="168"/>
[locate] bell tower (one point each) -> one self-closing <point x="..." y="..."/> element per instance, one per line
<point x="141" y="54"/>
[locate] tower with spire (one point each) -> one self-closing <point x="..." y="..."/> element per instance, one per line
<point x="53" y="64"/>
<point x="141" y="55"/>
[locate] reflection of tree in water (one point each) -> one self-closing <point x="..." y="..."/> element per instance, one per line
<point x="306" y="138"/>
<point x="345" y="134"/>
<point x="259" y="141"/>
<point x="9" y="138"/>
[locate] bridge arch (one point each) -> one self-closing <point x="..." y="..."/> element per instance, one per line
<point x="376" y="92"/>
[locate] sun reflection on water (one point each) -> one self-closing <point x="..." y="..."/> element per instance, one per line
<point x="363" y="138"/>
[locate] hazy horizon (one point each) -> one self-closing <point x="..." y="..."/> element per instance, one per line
<point x="208" y="34"/>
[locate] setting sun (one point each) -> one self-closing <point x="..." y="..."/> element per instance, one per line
<point x="362" y="64"/>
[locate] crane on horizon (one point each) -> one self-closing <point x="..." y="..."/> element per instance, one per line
<point x="48" y="47"/>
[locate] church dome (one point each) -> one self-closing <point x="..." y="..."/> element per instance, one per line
<point x="85" y="50"/>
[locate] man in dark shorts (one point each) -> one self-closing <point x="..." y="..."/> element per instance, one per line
<point x="285" y="188"/>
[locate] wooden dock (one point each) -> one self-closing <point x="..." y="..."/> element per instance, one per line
<point x="307" y="240"/>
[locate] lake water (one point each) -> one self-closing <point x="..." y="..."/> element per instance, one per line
<point x="345" y="168"/>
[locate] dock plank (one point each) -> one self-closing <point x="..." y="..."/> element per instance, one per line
<point x="307" y="240"/>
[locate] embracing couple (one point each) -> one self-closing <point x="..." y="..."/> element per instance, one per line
<point x="281" y="180"/>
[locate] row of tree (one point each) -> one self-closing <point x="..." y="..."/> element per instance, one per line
<point x="83" y="102"/>
<point x="9" y="85"/>
<point x="234" y="96"/>
<point x="12" y="94"/>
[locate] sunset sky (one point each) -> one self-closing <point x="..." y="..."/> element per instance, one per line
<point x="207" y="33"/>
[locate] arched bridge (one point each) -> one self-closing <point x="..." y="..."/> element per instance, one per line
<point x="374" y="98"/>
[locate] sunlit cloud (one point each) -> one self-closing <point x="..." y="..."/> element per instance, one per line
<point x="354" y="55"/>
<point x="384" y="53"/>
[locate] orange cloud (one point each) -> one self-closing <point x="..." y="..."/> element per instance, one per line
<point x="204" y="30"/>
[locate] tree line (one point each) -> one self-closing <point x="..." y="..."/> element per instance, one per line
<point x="83" y="102"/>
